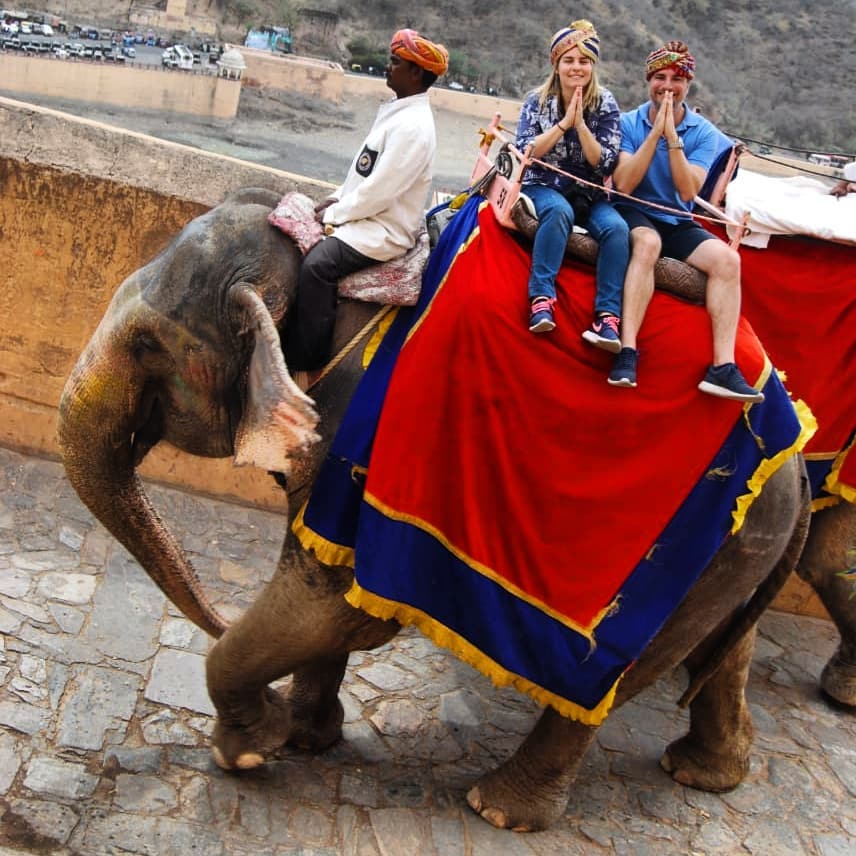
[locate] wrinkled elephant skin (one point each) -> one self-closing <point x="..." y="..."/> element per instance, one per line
<point x="172" y="361"/>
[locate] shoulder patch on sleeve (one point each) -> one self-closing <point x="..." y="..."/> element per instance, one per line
<point x="366" y="161"/>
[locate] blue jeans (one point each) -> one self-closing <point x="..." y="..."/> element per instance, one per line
<point x="555" y="222"/>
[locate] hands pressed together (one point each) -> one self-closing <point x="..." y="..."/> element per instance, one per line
<point x="664" y="124"/>
<point x="573" y="117"/>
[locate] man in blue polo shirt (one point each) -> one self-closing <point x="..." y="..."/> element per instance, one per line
<point x="666" y="152"/>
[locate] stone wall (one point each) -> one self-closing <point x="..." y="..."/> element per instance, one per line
<point x="82" y="205"/>
<point x="155" y="88"/>
<point x="175" y="18"/>
<point x="316" y="78"/>
<point x="146" y="87"/>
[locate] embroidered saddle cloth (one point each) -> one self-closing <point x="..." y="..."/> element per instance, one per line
<point x="489" y="486"/>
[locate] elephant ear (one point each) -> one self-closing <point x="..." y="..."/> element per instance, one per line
<point x="279" y="419"/>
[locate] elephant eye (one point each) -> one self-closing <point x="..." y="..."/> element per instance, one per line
<point x="146" y="344"/>
<point x="151" y="354"/>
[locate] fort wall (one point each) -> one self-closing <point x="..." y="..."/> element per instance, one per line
<point x="144" y="87"/>
<point x="83" y="205"/>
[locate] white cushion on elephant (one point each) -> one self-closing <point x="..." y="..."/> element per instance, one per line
<point x="796" y="205"/>
<point x="397" y="281"/>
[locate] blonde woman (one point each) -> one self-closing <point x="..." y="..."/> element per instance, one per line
<point x="573" y="123"/>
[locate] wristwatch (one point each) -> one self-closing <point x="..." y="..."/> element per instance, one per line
<point x="678" y="144"/>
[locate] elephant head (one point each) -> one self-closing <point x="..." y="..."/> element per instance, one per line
<point x="188" y="353"/>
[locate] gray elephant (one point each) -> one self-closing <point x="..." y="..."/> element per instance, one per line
<point x="188" y="353"/>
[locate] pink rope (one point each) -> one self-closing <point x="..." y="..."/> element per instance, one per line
<point x="612" y="191"/>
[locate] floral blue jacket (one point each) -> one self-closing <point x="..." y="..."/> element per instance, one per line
<point x="604" y="123"/>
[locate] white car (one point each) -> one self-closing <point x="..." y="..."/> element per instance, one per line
<point x="456" y="86"/>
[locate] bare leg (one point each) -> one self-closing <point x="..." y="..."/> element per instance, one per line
<point x="722" y="296"/>
<point x="830" y="550"/>
<point x="645" y="248"/>
<point x="300" y="624"/>
<point x="530" y="791"/>
<point x="714" y="755"/>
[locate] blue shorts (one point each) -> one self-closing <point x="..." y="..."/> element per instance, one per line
<point x="679" y="239"/>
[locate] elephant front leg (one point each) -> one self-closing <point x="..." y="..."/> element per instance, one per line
<point x="714" y="755"/>
<point x="531" y="790"/>
<point x="300" y="625"/>
<point x="829" y="554"/>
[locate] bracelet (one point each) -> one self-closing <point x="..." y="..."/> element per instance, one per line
<point x="559" y="126"/>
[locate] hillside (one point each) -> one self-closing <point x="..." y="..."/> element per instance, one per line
<point x="768" y="70"/>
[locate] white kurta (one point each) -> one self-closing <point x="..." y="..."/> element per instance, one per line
<point x="380" y="208"/>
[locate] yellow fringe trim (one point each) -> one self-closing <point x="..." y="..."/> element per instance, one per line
<point x="438" y="633"/>
<point x="586" y="631"/>
<point x="327" y="552"/>
<point x="808" y="426"/>
<point x="377" y="337"/>
<point x="832" y="484"/>
<point x="825" y="502"/>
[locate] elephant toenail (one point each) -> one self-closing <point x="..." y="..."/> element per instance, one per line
<point x="219" y="759"/>
<point x="474" y="799"/>
<point x="495" y="817"/>
<point x="249" y="760"/>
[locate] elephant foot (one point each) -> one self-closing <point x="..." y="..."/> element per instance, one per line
<point x="506" y="801"/>
<point x="838" y="680"/>
<point x="244" y="747"/>
<point x="315" y="731"/>
<point x="690" y="763"/>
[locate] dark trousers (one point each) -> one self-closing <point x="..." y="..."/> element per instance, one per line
<point x="310" y="322"/>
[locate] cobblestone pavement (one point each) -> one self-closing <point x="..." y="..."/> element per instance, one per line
<point x="106" y="722"/>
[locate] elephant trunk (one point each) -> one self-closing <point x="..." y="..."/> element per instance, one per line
<point x="98" y="415"/>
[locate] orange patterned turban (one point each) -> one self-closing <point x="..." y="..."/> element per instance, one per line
<point x="409" y="45"/>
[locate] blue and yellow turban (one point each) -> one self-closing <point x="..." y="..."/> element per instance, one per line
<point x="409" y="45"/>
<point x="674" y="55"/>
<point x="580" y="33"/>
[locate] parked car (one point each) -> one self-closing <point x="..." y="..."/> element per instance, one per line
<point x="60" y="52"/>
<point x="459" y="87"/>
<point x="129" y="51"/>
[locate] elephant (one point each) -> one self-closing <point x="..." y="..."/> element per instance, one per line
<point x="189" y="353"/>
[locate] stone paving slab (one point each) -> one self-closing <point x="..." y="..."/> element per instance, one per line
<point x="105" y="722"/>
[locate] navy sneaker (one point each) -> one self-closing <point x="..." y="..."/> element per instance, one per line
<point x="624" y="368"/>
<point x="541" y="315"/>
<point x="726" y="381"/>
<point x="603" y="333"/>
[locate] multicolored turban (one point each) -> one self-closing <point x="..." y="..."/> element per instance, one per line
<point x="409" y="45"/>
<point x="580" y="33"/>
<point x="674" y="55"/>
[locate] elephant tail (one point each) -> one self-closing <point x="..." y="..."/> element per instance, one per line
<point x="764" y="595"/>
